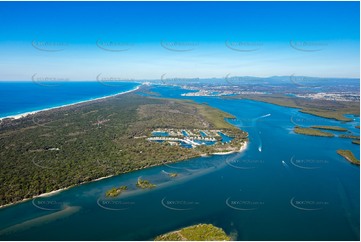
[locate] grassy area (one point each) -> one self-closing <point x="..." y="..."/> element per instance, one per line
<point x="348" y="155"/>
<point x="144" y="184"/>
<point x="334" y="128"/>
<point x="312" y="132"/>
<point x="200" y="232"/>
<point x="71" y="145"/>
<point x="322" y="108"/>
<point x="114" y="192"/>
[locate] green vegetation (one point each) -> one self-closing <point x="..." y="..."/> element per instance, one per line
<point x="322" y="108"/>
<point x="312" y="132"/>
<point x="200" y="232"/>
<point x="216" y="116"/>
<point x="71" y="145"/>
<point x="148" y="91"/>
<point x="356" y="141"/>
<point x="334" y="128"/>
<point x="173" y="174"/>
<point x="347" y="136"/>
<point x="348" y="155"/>
<point x="114" y="192"/>
<point x="144" y="184"/>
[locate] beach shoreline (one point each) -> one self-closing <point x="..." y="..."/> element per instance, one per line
<point x="47" y="194"/>
<point x="243" y="148"/>
<point x="22" y="115"/>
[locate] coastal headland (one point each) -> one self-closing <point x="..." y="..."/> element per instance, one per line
<point x="71" y="145"/>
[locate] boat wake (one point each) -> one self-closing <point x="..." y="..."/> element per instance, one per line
<point x="252" y="122"/>
<point x="260" y="142"/>
<point x="285" y="164"/>
<point x="264" y="116"/>
<point x="167" y="173"/>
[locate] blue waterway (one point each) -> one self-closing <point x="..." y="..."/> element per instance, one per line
<point x="162" y="134"/>
<point x="21" y="97"/>
<point x="285" y="186"/>
<point x="225" y="138"/>
<point x="203" y="134"/>
<point x="203" y="142"/>
<point x="185" y="133"/>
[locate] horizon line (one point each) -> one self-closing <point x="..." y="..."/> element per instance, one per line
<point x="170" y="78"/>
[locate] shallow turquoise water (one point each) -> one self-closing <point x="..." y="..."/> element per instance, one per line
<point x="283" y="187"/>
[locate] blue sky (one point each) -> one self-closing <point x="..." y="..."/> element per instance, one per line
<point x="142" y="40"/>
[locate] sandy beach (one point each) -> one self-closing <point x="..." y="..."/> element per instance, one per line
<point x="243" y="148"/>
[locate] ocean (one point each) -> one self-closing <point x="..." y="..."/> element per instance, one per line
<point x="23" y="97"/>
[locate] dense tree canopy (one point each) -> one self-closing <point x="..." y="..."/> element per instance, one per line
<point x="67" y="146"/>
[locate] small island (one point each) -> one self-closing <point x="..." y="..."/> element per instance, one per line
<point x="114" y="192"/>
<point x="356" y="142"/>
<point x="347" y="136"/>
<point x="312" y="132"/>
<point x="200" y="232"/>
<point x="348" y="155"/>
<point x="334" y="128"/>
<point x="144" y="184"/>
<point x="173" y="174"/>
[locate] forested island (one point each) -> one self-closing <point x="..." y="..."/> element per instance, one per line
<point x="346" y="136"/>
<point x="356" y="142"/>
<point x="173" y="174"/>
<point x="348" y="155"/>
<point x="114" y="192"/>
<point x="67" y="146"/>
<point x="200" y="232"/>
<point x="334" y="128"/>
<point x="144" y="184"/>
<point x="322" y="108"/>
<point x="312" y="132"/>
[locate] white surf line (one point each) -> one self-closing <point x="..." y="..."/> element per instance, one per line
<point x="22" y="115"/>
